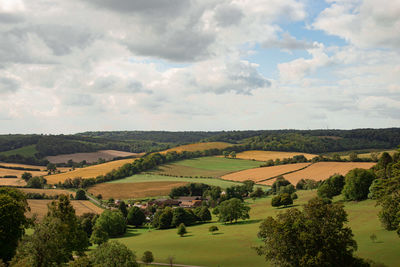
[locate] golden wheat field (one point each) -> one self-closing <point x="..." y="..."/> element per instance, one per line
<point x="39" y="206"/>
<point x="368" y="155"/>
<point x="18" y="173"/>
<point x="88" y="172"/>
<point x="199" y="147"/>
<point x="48" y="192"/>
<point x="12" y="182"/>
<point x="42" y="168"/>
<point x="134" y="190"/>
<point x="268" y="155"/>
<point x="322" y="171"/>
<point x="92" y="156"/>
<point x="258" y="174"/>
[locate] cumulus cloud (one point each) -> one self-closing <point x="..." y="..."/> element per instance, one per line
<point x="369" y="23"/>
<point x="297" y="69"/>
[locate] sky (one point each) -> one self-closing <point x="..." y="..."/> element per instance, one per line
<point x="180" y="65"/>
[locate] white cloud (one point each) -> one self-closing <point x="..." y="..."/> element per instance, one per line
<point x="369" y="23"/>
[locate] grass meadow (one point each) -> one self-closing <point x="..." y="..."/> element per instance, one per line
<point x="26" y="151"/>
<point x="231" y="246"/>
<point x="206" y="167"/>
<point x="140" y="178"/>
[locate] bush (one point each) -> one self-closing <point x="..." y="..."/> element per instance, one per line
<point x="213" y="229"/>
<point x="147" y="257"/>
<point x="80" y="195"/>
<point x="113" y="253"/>
<point x="182" y="229"/>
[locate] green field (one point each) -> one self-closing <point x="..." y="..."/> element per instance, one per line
<point x="206" y="167"/>
<point x="138" y="178"/>
<point x="27" y="151"/>
<point x="232" y="245"/>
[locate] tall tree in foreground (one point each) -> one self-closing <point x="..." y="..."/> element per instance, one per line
<point x="13" y="206"/>
<point x="55" y="239"/>
<point x="315" y="236"/>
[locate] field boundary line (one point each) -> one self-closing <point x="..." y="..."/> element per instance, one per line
<point x="276" y="176"/>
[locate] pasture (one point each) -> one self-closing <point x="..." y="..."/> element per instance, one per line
<point x="92" y="156"/>
<point x="259" y="174"/>
<point x="26" y="151"/>
<point x="322" y="171"/>
<point x="134" y="190"/>
<point x="198" y="147"/>
<point x="231" y="246"/>
<point x="270" y="155"/>
<point x="140" y="178"/>
<point x="39" y="206"/>
<point x="206" y="167"/>
<point x="88" y="172"/>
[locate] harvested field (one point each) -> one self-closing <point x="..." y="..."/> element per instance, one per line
<point x="134" y="190"/>
<point x="12" y="182"/>
<point x="323" y="170"/>
<point x="42" y="168"/>
<point x="368" y="155"/>
<point x="48" y="192"/>
<point x="92" y="156"/>
<point x="268" y="155"/>
<point x="88" y="172"/>
<point x="18" y="173"/>
<point x="199" y="147"/>
<point x="263" y="173"/>
<point x="39" y="206"/>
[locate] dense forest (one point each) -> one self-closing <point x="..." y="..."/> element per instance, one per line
<point x="14" y="148"/>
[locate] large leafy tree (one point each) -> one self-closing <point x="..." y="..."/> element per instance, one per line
<point x="111" y="222"/>
<point x="232" y="210"/>
<point x="136" y="216"/>
<point x="113" y="254"/>
<point x="357" y="183"/>
<point x="13" y="206"/>
<point x="333" y="186"/>
<point x="315" y="236"/>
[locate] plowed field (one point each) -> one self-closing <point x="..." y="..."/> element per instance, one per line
<point x="92" y="156"/>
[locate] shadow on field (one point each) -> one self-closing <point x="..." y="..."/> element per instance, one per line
<point x="131" y="231"/>
<point x="244" y="222"/>
<point x="287" y="207"/>
<point x="218" y="234"/>
<point x="187" y="235"/>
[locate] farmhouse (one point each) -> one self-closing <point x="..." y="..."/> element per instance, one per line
<point x="186" y="202"/>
